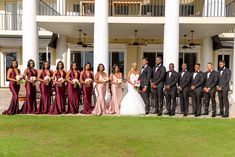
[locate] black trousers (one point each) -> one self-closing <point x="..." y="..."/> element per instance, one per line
<point x="158" y="99"/>
<point x="184" y="100"/>
<point x="171" y="100"/>
<point x="196" y="96"/>
<point x="145" y="97"/>
<point x="223" y="102"/>
<point x="207" y="98"/>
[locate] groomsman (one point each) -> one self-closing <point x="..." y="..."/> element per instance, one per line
<point x="196" y="90"/>
<point x="210" y="89"/>
<point x="223" y="88"/>
<point x="171" y="89"/>
<point x="184" y="88"/>
<point x="145" y="76"/>
<point x="157" y="84"/>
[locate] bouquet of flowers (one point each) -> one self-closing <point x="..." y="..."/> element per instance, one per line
<point x="119" y="81"/>
<point x="61" y="81"/>
<point x="33" y="79"/>
<point x="88" y="80"/>
<point x="137" y="84"/>
<point x="20" y="79"/>
<point x="75" y="83"/>
<point x="105" y="79"/>
<point x="47" y="79"/>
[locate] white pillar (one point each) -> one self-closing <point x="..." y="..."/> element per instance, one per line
<point x="61" y="6"/>
<point x="214" y="8"/>
<point x="233" y="72"/>
<point x="30" y="32"/>
<point x="101" y="35"/>
<point x="171" y="33"/>
<point x="207" y="53"/>
<point x="61" y="49"/>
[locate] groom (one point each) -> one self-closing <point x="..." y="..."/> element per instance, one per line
<point x="145" y="76"/>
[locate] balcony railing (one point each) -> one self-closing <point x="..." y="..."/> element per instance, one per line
<point x="10" y="21"/>
<point x="136" y="8"/>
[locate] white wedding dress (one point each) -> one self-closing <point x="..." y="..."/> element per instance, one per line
<point x="132" y="103"/>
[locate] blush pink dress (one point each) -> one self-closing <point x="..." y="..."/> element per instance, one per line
<point x="115" y="104"/>
<point x="100" y="107"/>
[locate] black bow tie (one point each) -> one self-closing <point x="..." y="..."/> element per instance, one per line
<point x="196" y="72"/>
<point x="143" y="67"/>
<point x="183" y="70"/>
<point x="209" y="71"/>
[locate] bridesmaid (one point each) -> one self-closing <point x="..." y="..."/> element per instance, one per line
<point x="86" y="78"/>
<point x="44" y="76"/>
<point x="116" y="89"/>
<point x="101" y="79"/>
<point x="12" y="72"/>
<point x="72" y="78"/>
<point x="58" y="107"/>
<point x="30" y="105"/>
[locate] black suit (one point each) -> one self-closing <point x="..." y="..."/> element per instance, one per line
<point x="184" y="83"/>
<point x="158" y="78"/>
<point x="171" y="81"/>
<point x="223" y="95"/>
<point x="145" y="77"/>
<point x="196" y="94"/>
<point x="211" y="82"/>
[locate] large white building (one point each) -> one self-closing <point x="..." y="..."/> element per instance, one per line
<point x="116" y="31"/>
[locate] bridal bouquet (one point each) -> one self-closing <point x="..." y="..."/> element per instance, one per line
<point x="20" y="79"/>
<point x="33" y="79"/>
<point x="61" y="81"/>
<point x="105" y="79"/>
<point x="119" y="81"/>
<point x="88" y="80"/>
<point x="75" y="83"/>
<point x="137" y="84"/>
<point x="47" y="79"/>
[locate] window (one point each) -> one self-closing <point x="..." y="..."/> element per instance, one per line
<point x="43" y="57"/>
<point x="81" y="58"/>
<point x="88" y="8"/>
<point x="9" y="56"/>
<point x="186" y="10"/>
<point x="226" y="59"/>
<point x="152" y="10"/>
<point x="189" y="58"/>
<point x="76" y="8"/>
<point x="152" y="56"/>
<point x="116" y="58"/>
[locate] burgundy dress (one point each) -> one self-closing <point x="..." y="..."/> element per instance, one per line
<point x="45" y="100"/>
<point x="15" y="88"/>
<point x="73" y="94"/>
<point x="87" y="90"/>
<point x="58" y="107"/>
<point x="30" y="105"/>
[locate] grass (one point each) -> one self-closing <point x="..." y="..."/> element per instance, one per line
<point x="63" y="136"/>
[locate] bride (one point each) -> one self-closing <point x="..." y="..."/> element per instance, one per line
<point x="132" y="103"/>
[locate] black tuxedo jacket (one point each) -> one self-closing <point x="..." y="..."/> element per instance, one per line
<point x="171" y="80"/>
<point x="158" y="76"/>
<point x="185" y="81"/>
<point x="145" y="77"/>
<point x="198" y="81"/>
<point x="212" y="81"/>
<point x="224" y="79"/>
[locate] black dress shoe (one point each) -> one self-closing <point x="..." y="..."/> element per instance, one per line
<point x="213" y="115"/>
<point x="185" y="115"/>
<point x="197" y="115"/>
<point x="225" y="116"/>
<point x="220" y="114"/>
<point x="146" y="112"/>
<point x="159" y="114"/>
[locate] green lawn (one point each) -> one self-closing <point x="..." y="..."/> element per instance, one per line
<point x="38" y="136"/>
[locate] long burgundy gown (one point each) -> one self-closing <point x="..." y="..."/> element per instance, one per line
<point x="45" y="100"/>
<point x="58" y="107"/>
<point x="87" y="90"/>
<point x="15" y="88"/>
<point x="73" y="94"/>
<point x="30" y="105"/>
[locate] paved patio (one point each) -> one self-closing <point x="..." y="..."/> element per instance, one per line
<point x="5" y="97"/>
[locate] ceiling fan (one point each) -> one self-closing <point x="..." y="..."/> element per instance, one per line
<point x="136" y="43"/>
<point x="83" y="43"/>
<point x="192" y="42"/>
<point x="185" y="43"/>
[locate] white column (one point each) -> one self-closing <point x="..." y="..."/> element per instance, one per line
<point x="30" y="32"/>
<point x="61" y="49"/>
<point x="233" y="72"/>
<point x="171" y="33"/>
<point x="214" y="8"/>
<point x="101" y="35"/>
<point x="61" y="6"/>
<point x="207" y="53"/>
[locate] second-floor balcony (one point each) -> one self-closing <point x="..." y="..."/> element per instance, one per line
<point x="10" y="21"/>
<point x="137" y="8"/>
